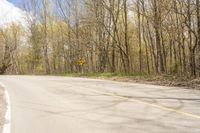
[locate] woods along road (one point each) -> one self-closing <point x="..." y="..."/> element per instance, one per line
<point x="44" y="104"/>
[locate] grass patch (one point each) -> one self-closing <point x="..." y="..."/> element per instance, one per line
<point x="106" y="74"/>
<point x="165" y="80"/>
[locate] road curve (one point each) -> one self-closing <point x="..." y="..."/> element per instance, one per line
<point x="48" y="104"/>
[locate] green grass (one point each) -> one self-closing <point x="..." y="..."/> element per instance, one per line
<point x="151" y="77"/>
<point x="105" y="74"/>
<point x="164" y="79"/>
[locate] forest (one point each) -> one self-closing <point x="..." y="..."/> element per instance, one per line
<point x="151" y="37"/>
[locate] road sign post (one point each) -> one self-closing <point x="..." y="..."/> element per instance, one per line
<point x="81" y="63"/>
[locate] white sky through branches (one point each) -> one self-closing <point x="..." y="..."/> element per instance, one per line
<point x="11" y="14"/>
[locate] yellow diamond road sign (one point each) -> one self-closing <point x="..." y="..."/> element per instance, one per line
<point x="81" y="62"/>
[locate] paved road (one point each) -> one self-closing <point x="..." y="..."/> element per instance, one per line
<point x="42" y="104"/>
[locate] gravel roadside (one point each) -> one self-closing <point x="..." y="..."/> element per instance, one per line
<point x="2" y="108"/>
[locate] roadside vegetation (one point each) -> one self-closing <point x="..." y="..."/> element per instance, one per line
<point x="163" y="80"/>
<point x="140" y="39"/>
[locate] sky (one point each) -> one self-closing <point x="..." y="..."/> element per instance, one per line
<point x="15" y="2"/>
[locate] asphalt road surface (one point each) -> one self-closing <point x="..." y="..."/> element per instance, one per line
<point x="43" y="104"/>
